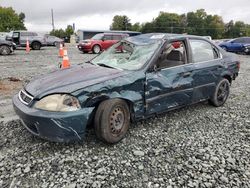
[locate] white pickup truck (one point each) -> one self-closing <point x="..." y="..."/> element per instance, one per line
<point x="20" y="38"/>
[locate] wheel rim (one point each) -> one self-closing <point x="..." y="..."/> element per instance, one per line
<point x="223" y="92"/>
<point x="4" y="51"/>
<point x="96" y="49"/>
<point x="36" y="46"/>
<point x="117" y="120"/>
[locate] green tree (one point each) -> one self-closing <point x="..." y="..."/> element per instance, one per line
<point x="58" y="33"/>
<point x="69" y="30"/>
<point x="196" y="22"/>
<point x="215" y="26"/>
<point x="121" y="22"/>
<point x="168" y="23"/>
<point x="64" y="34"/>
<point x="10" y="20"/>
<point x="136" y="27"/>
<point x="148" y="27"/>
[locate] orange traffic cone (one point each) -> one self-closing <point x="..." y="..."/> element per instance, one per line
<point x="27" y="46"/>
<point x="61" y="51"/>
<point x="65" y="62"/>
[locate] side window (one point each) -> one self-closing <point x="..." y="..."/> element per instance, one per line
<point x="117" y="37"/>
<point x="174" y="54"/>
<point x="203" y="51"/>
<point x="107" y="37"/>
<point x="26" y="34"/>
<point x="248" y="40"/>
<point x="239" y="40"/>
<point x="15" y="35"/>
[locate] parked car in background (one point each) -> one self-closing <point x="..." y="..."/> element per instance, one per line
<point x="20" y="38"/>
<point x="53" y="41"/>
<point x="6" y="47"/>
<point x="238" y="45"/>
<point x="100" y="42"/>
<point x="149" y="77"/>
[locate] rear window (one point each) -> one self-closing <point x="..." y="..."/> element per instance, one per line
<point x="25" y="34"/>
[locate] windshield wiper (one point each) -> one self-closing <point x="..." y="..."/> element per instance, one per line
<point x="89" y="62"/>
<point x="104" y="65"/>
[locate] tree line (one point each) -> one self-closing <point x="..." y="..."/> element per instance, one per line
<point x="194" y="23"/>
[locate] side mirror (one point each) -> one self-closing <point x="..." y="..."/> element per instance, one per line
<point x="154" y="68"/>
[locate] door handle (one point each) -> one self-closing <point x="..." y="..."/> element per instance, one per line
<point x="186" y="74"/>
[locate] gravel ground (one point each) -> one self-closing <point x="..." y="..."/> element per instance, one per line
<point x="196" y="146"/>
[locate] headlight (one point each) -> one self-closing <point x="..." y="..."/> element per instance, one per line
<point x="58" y="103"/>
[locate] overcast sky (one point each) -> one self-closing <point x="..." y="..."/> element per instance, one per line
<point x="98" y="14"/>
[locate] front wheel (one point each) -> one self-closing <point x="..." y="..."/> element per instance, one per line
<point x="5" y="50"/>
<point x="112" y="120"/>
<point x="221" y="93"/>
<point x="96" y="49"/>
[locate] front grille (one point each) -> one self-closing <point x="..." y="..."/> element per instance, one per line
<point x="25" y="97"/>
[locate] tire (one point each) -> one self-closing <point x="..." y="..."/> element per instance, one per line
<point x="96" y="49"/>
<point x="36" y="46"/>
<point x="221" y="93"/>
<point x="5" y="50"/>
<point x="112" y="120"/>
<point x="57" y="44"/>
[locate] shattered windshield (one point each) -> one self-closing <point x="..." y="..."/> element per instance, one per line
<point x="126" y="55"/>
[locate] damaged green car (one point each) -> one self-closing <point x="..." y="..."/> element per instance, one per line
<point x="134" y="79"/>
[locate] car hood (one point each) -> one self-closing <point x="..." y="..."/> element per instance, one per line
<point x="72" y="79"/>
<point x="6" y="42"/>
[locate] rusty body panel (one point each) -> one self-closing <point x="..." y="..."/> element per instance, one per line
<point x="147" y="90"/>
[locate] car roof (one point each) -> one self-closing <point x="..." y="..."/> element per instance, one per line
<point x="150" y="38"/>
<point x="114" y="33"/>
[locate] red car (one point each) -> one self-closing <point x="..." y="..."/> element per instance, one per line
<point x="100" y="42"/>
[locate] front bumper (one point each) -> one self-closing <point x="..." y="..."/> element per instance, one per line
<point x="53" y="126"/>
<point x="247" y="49"/>
<point x="84" y="48"/>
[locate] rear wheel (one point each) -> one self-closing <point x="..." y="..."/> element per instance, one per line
<point x="5" y="50"/>
<point x="112" y="120"/>
<point x="96" y="49"/>
<point x="36" y="46"/>
<point x="221" y="93"/>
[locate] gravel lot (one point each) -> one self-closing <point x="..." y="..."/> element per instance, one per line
<point x="196" y="146"/>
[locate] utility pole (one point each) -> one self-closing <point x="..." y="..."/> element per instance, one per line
<point x="52" y="16"/>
